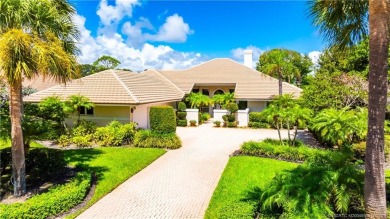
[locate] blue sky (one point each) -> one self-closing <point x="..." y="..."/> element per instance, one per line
<point x="180" y="34"/>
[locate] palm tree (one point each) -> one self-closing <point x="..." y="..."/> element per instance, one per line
<point x="223" y="99"/>
<point x="198" y="100"/>
<point x="344" y="22"/>
<point x="277" y="62"/>
<point x="36" y="37"/>
<point x="76" y="102"/>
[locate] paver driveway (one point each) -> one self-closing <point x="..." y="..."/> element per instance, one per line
<point x="181" y="182"/>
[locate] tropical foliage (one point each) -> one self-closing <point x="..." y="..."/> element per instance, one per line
<point x="341" y="127"/>
<point x="320" y="188"/>
<point x="76" y="102"/>
<point x="198" y="100"/>
<point x="285" y="111"/>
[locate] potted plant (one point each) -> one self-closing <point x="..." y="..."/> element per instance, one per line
<point x="193" y="122"/>
<point x="217" y="123"/>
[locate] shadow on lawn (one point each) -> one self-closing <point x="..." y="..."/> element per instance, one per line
<point x="82" y="159"/>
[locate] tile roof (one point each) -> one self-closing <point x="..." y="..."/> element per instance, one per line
<point x="116" y="87"/>
<point x="40" y="82"/>
<point x="250" y="84"/>
<point x="123" y="87"/>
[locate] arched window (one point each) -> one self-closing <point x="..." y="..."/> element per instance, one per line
<point x="205" y="92"/>
<point x="219" y="91"/>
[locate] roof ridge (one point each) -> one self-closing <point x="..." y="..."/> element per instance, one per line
<point x="124" y="86"/>
<point x="169" y="81"/>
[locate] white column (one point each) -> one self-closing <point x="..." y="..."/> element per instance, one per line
<point x="243" y="117"/>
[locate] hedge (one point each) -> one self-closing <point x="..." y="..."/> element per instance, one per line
<point x="162" y="119"/>
<point x="283" y="152"/>
<point x="256" y="117"/>
<point x="150" y="139"/>
<point x="57" y="200"/>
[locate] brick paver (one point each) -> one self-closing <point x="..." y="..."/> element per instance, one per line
<point x="181" y="182"/>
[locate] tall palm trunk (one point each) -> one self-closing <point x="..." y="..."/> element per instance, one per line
<point x="374" y="181"/>
<point x="18" y="154"/>
<point x="280" y="83"/>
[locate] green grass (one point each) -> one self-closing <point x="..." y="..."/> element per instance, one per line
<point x="112" y="166"/>
<point x="5" y="143"/>
<point x="238" y="190"/>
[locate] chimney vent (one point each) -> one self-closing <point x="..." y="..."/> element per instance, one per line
<point x="248" y="58"/>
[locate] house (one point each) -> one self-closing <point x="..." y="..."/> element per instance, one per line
<point x="127" y="96"/>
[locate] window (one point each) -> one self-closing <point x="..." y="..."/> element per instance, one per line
<point x="195" y="90"/>
<point x="88" y="112"/>
<point x="231" y="90"/>
<point x="242" y="105"/>
<point x="218" y="92"/>
<point x="205" y="92"/>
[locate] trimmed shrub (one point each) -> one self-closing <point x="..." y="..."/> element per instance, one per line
<point x="150" y="139"/>
<point x="162" y="119"/>
<point x="181" y="107"/>
<point x="181" y="115"/>
<point x="115" y="134"/>
<point x="57" y="200"/>
<point x="232" y="107"/>
<point x="273" y="149"/>
<point x="231" y="118"/>
<point x="232" y="124"/>
<point x="217" y="123"/>
<point x="182" y="122"/>
<point x="225" y="118"/>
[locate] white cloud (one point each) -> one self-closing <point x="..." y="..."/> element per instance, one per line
<point x="110" y="14"/>
<point x="146" y="56"/>
<point x="238" y="54"/>
<point x="174" y="30"/>
<point x="315" y="56"/>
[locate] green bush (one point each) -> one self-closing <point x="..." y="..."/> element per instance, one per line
<point x="278" y="151"/>
<point x="182" y="122"/>
<point x="359" y="149"/>
<point x="232" y="124"/>
<point x="231" y="118"/>
<point x="256" y="117"/>
<point x="181" y="107"/>
<point x="84" y="128"/>
<point x="150" y="139"/>
<point x="225" y="118"/>
<point x="82" y="141"/>
<point x="193" y="122"/>
<point x="162" y="119"/>
<point x="259" y="125"/>
<point x="64" y="141"/>
<point x="57" y="200"/>
<point x="115" y="134"/>
<point x="232" y="107"/>
<point x="181" y="115"/>
<point x="217" y="123"/>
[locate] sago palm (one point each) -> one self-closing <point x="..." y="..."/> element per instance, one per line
<point x="36" y="37"/>
<point x="346" y="22"/>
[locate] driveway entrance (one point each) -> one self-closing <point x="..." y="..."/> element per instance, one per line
<point x="180" y="183"/>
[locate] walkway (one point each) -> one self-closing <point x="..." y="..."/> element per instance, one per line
<point x="180" y="183"/>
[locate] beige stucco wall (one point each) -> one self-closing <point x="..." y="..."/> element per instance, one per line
<point x="257" y="106"/>
<point x="103" y="114"/>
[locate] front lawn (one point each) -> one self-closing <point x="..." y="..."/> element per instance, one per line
<point x="112" y="165"/>
<point x="237" y="193"/>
